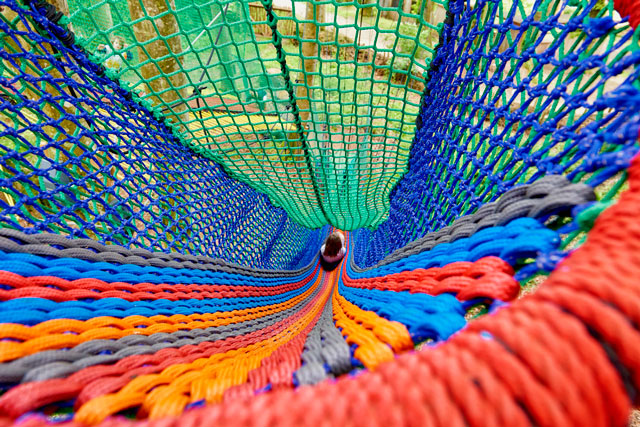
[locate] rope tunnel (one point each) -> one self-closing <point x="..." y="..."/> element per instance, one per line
<point x="171" y="168"/>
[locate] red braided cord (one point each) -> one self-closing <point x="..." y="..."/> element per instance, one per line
<point x="69" y="290"/>
<point x="488" y="277"/>
<point x="630" y="8"/>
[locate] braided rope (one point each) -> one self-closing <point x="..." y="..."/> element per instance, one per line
<point x="550" y="195"/>
<point x="122" y="330"/>
<point x="566" y="355"/>
<point x="375" y="321"/>
<point x="62" y="363"/>
<point x="630" y="9"/>
<point x="57" y="289"/>
<point x="56" y="246"/>
<point x="325" y="352"/>
<point x="488" y="277"/>
<point x="510" y="242"/>
<point x="86" y="383"/>
<point x="54" y="334"/>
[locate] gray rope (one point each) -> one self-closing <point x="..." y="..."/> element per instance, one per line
<point x="56" y="246"/>
<point x="324" y="346"/>
<point x="62" y="363"/>
<point x="552" y="194"/>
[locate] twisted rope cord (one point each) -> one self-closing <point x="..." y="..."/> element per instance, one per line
<point x="564" y="356"/>
<point x="86" y="383"/>
<point x="57" y="289"/>
<point x="630" y="9"/>
<point x="64" y="333"/>
<point x="62" y="363"/>
<point x="325" y="351"/>
<point x="56" y="246"/>
<point x="488" y="277"/>
<point x="521" y="238"/>
<point x="552" y="194"/>
<point x="480" y="390"/>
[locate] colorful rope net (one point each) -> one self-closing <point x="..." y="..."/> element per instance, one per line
<point x="159" y="249"/>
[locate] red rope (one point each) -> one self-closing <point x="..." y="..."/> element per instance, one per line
<point x="630" y="8"/>
<point x="489" y="277"/>
<point x="57" y="289"/>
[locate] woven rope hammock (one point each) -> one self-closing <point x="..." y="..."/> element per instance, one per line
<point x="171" y="168"/>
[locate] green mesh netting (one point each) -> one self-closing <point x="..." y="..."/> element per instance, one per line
<point x="313" y="104"/>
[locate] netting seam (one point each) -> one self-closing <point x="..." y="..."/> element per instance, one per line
<point x="277" y="43"/>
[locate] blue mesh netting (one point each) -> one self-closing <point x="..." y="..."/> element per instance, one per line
<point x="81" y="157"/>
<point x="512" y="96"/>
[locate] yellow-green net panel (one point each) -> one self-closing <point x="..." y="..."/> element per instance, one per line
<point x="313" y="103"/>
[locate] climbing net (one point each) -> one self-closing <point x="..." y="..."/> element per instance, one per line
<point x="170" y="170"/>
<point x="313" y="106"/>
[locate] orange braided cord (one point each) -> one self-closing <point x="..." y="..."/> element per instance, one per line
<point x="62" y="333"/>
